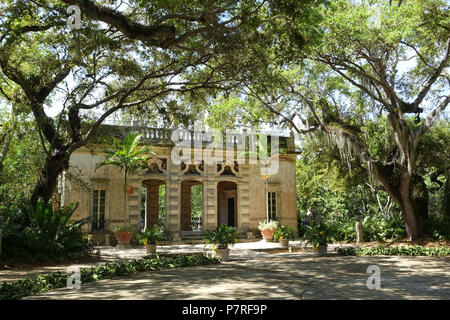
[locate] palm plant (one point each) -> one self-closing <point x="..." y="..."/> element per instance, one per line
<point x="151" y="235"/>
<point x="127" y="156"/>
<point x="43" y="234"/>
<point x="222" y="237"/>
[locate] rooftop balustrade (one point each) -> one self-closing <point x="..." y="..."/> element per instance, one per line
<point x="169" y="137"/>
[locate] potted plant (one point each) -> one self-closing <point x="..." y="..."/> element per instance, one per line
<point x="268" y="228"/>
<point x="284" y="234"/>
<point x="129" y="190"/>
<point x="150" y="237"/>
<point x="220" y="239"/>
<point x="124" y="234"/>
<point x="318" y="233"/>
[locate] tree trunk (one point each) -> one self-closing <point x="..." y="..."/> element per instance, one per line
<point x="411" y="195"/>
<point x="413" y="224"/>
<point x="48" y="178"/>
<point x="419" y="193"/>
<point x="4" y="150"/>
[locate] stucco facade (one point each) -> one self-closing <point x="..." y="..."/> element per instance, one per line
<point x="233" y="193"/>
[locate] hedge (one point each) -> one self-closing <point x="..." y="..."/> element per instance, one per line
<point x="394" y="251"/>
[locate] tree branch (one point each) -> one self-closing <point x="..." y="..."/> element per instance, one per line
<point x="432" y="79"/>
<point x="158" y="35"/>
<point x="271" y="109"/>
<point x="430" y="119"/>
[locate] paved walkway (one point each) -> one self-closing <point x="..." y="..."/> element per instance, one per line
<point x="252" y="274"/>
<point x="110" y="254"/>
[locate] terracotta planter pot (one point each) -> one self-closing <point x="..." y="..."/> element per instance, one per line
<point x="322" y="250"/>
<point x="222" y="254"/>
<point x="284" y="242"/>
<point x="151" y="248"/>
<point x="267" y="234"/>
<point x="123" y="237"/>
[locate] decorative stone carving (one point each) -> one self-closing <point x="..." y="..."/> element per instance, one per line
<point x="192" y="168"/>
<point x="157" y="165"/>
<point x="228" y="169"/>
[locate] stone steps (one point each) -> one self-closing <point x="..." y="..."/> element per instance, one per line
<point x="192" y="235"/>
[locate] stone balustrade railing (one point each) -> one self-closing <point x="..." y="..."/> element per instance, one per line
<point x="163" y="136"/>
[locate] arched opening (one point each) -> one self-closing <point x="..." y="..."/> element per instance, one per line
<point x="154" y="199"/>
<point x="227" y="203"/>
<point x="191" y="205"/>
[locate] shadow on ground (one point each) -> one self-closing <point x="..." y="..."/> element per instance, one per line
<point x="279" y="276"/>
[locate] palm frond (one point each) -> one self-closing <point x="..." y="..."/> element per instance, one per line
<point x="126" y="155"/>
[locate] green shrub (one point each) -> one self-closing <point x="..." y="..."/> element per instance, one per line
<point x="42" y="234"/>
<point x="379" y="228"/>
<point x="394" y="251"/>
<point x="346" y="251"/>
<point x="342" y="225"/>
<point x="54" y="280"/>
<point x="284" y="232"/>
<point x="319" y="233"/>
<point x="437" y="228"/>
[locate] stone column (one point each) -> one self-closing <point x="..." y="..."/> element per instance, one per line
<point x="173" y="207"/>
<point x="243" y="200"/>
<point x="210" y="213"/>
<point x="134" y="202"/>
<point x="152" y="203"/>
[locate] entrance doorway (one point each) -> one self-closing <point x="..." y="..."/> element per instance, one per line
<point x="227" y="203"/>
<point x="155" y="202"/>
<point x="191" y="205"/>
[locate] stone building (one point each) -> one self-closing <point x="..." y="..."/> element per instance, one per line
<point x="234" y="193"/>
